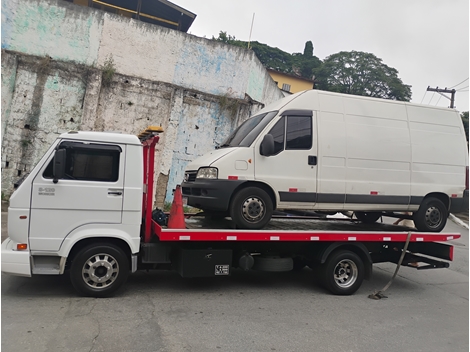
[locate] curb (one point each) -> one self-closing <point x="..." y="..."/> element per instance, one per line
<point x="458" y="221"/>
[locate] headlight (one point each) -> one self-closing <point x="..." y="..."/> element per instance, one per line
<point x="207" y="172"/>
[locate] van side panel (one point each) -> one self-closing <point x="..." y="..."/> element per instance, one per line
<point x="378" y="153"/>
<point x="331" y="152"/>
<point x="439" y="151"/>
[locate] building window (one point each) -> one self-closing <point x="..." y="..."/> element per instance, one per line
<point x="286" y="87"/>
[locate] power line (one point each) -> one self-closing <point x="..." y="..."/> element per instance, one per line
<point x="431" y="98"/>
<point x="460" y="89"/>
<point x="438" y="100"/>
<point x="460" y="83"/>
<point x="424" y="96"/>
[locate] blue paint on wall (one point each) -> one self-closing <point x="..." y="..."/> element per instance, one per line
<point x="8" y="10"/>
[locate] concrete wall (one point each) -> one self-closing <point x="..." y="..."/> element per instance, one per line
<point x="51" y="83"/>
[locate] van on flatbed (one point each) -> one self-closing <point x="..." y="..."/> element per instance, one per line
<point x="330" y="152"/>
<point x="85" y="210"/>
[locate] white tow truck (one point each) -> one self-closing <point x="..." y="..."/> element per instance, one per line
<point x="86" y="208"/>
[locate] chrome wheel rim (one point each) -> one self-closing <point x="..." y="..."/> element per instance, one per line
<point x="253" y="209"/>
<point x="433" y="217"/>
<point x="100" y="270"/>
<point x="345" y="273"/>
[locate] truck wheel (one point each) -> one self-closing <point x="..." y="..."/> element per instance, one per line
<point x="98" y="270"/>
<point x="431" y="215"/>
<point x="342" y="273"/>
<point x="368" y="217"/>
<point x="251" y="208"/>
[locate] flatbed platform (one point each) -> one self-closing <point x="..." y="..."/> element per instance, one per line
<point x="285" y="229"/>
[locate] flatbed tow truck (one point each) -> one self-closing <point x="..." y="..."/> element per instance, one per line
<point x="99" y="256"/>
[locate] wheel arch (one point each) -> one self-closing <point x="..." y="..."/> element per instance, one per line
<point x="444" y="198"/>
<point x="268" y="189"/>
<point x="358" y="248"/>
<point x="79" y="245"/>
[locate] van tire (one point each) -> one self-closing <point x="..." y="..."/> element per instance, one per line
<point x="431" y="215"/>
<point x="111" y="261"/>
<point x="368" y="217"/>
<point x="342" y="273"/>
<point x="251" y="208"/>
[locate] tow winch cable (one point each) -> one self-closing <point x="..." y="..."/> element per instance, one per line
<point x="379" y="294"/>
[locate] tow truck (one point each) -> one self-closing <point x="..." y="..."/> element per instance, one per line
<point x="86" y="210"/>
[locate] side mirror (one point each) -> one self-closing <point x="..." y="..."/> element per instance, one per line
<point x="267" y="145"/>
<point x="58" y="166"/>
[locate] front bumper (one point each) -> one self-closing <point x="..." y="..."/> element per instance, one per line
<point x="15" y="262"/>
<point x="208" y="194"/>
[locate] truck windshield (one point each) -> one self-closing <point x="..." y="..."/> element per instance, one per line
<point x="247" y="132"/>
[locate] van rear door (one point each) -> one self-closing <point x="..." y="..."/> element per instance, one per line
<point x="292" y="170"/>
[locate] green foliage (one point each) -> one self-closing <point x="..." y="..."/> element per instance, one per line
<point x="108" y="69"/>
<point x="229" y="104"/>
<point x="351" y="72"/>
<point x="361" y="73"/>
<point x="299" y="64"/>
<point x="464" y="116"/>
<point x="308" y="50"/>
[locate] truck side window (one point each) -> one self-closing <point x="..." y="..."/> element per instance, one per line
<point x="278" y="134"/>
<point x="299" y="132"/>
<point x="88" y="163"/>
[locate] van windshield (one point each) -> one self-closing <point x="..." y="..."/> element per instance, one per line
<point x="247" y="132"/>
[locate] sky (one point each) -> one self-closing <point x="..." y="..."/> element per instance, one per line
<point x="427" y="41"/>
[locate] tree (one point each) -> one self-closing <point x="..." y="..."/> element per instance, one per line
<point x="361" y="73"/>
<point x="276" y="59"/>
<point x="308" y="50"/>
<point x="464" y="116"/>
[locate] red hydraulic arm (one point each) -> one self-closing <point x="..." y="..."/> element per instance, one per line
<point x="149" y="139"/>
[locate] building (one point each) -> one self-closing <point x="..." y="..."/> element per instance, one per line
<point x="160" y="12"/>
<point x="290" y="84"/>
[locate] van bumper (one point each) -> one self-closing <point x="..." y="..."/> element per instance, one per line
<point x="210" y="194"/>
<point x="13" y="261"/>
<point x="459" y="205"/>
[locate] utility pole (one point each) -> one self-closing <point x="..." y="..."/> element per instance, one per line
<point x="445" y="90"/>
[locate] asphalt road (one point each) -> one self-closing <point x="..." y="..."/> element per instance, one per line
<point x="248" y="311"/>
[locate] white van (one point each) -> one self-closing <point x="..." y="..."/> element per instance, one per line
<point x="323" y="151"/>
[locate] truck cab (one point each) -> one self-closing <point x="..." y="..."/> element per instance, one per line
<point x="88" y="185"/>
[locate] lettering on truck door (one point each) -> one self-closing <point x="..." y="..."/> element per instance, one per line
<point x="91" y="192"/>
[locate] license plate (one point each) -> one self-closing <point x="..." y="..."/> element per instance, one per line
<point x="185" y="200"/>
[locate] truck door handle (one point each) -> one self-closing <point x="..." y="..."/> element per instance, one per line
<point x="312" y="160"/>
<point x="115" y="193"/>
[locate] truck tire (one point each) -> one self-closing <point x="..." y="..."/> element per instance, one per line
<point x="251" y="208"/>
<point x="342" y="273"/>
<point x="368" y="217"/>
<point x="431" y="215"/>
<point x="98" y="270"/>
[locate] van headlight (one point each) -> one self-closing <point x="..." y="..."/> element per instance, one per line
<point x="207" y="172"/>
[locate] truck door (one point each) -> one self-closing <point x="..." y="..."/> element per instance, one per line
<point x="92" y="191"/>
<point x="292" y="170"/>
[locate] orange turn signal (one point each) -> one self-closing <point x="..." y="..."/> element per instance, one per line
<point x="21" y="246"/>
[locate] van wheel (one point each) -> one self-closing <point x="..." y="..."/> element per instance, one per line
<point x="98" y="270"/>
<point x="368" y="217"/>
<point x="251" y="208"/>
<point x="431" y="215"/>
<point x="342" y="273"/>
